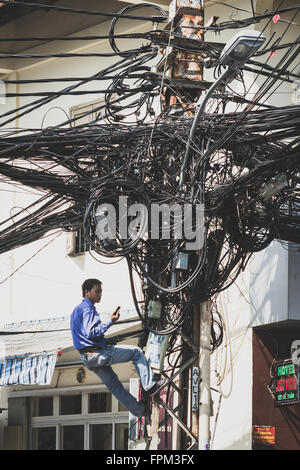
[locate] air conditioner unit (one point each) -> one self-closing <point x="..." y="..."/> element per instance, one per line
<point x="274" y="284"/>
<point x="71" y="244"/>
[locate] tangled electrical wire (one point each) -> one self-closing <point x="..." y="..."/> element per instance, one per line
<point x="112" y="176"/>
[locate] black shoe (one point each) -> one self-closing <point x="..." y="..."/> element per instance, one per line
<point x="147" y="412"/>
<point x="146" y="401"/>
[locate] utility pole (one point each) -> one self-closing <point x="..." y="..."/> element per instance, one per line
<point x="184" y="68"/>
<point x="204" y="365"/>
<point x="187" y="65"/>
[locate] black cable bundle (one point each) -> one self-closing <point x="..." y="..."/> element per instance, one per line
<point x="243" y="169"/>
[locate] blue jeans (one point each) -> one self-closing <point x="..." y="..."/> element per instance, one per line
<point x="100" y="363"/>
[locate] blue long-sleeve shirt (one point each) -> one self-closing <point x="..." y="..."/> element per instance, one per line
<point x="86" y="327"/>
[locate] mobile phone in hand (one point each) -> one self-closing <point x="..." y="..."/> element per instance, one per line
<point x="116" y="314"/>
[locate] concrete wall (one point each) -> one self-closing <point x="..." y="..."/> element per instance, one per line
<point x="231" y="372"/>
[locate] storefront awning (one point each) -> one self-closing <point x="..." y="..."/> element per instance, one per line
<point x="27" y="369"/>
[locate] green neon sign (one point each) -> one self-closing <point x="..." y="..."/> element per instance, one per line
<point x="286" y="383"/>
<point x="286" y="370"/>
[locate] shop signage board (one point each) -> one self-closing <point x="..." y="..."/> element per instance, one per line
<point x="286" y="383"/>
<point x="264" y="435"/>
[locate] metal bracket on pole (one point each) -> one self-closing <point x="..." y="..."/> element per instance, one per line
<point x="178" y="420"/>
<point x="169" y="411"/>
<point x="170" y="379"/>
<point x="189" y="342"/>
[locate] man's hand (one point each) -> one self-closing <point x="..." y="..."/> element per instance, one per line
<point x="115" y="315"/>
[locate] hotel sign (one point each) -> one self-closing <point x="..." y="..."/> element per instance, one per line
<point x="286" y="383"/>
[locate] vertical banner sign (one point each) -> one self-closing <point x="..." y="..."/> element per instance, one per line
<point x="166" y="427"/>
<point x="195" y="388"/>
<point x="286" y="383"/>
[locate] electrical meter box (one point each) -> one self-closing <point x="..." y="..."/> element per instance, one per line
<point x="156" y="351"/>
<point x="181" y="263"/>
<point x="154" y="309"/>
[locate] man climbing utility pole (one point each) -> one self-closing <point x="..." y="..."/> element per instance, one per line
<point x="98" y="355"/>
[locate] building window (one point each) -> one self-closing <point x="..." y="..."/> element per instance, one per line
<point x="100" y="437"/>
<point x="121" y="436"/>
<point x="43" y="406"/>
<point x="88" y="420"/>
<point x="99" y="402"/>
<point x="72" y="437"/>
<point x="70" y="404"/>
<point x="45" y="438"/>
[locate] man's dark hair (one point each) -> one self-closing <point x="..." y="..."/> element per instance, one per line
<point x="89" y="284"/>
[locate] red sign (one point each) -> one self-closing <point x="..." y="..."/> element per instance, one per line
<point x="289" y="383"/>
<point x="264" y="435"/>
